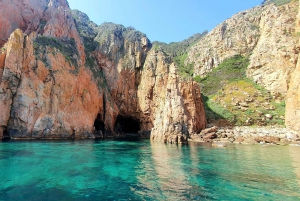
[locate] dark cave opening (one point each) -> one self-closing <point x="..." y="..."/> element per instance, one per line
<point x="5" y="134"/>
<point x="126" y="125"/>
<point x="99" y="127"/>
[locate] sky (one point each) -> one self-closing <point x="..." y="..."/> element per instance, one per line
<point x="163" y="20"/>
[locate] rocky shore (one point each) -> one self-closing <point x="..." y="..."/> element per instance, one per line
<point x="220" y="136"/>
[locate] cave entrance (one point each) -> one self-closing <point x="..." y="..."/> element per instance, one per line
<point x="127" y="127"/>
<point x="5" y="135"/>
<point x="99" y="127"/>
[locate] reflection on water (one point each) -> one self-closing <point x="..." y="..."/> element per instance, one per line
<point x="169" y="170"/>
<point x="113" y="170"/>
<point x="295" y="155"/>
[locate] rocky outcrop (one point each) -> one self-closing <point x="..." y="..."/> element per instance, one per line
<point x="62" y="76"/>
<point x="293" y="95"/>
<point x="174" y="103"/>
<point x="247" y="135"/>
<point x="267" y="33"/>
<point x="41" y="97"/>
<point x="237" y="35"/>
<point x="292" y="114"/>
<point x="276" y="54"/>
<point x="145" y="86"/>
<point x="47" y="17"/>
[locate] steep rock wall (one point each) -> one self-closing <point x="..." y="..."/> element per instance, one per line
<point x="141" y="82"/>
<point x="276" y="54"/>
<point x="42" y="97"/>
<point x="292" y="114"/>
<point x="270" y="36"/>
<point x="169" y="104"/>
<point x="60" y="76"/>
<point x="267" y="33"/>
<point x="50" y="18"/>
<point x="237" y="35"/>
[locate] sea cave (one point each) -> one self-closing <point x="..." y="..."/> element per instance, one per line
<point x="127" y="127"/>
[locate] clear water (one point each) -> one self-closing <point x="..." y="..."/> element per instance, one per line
<point x="116" y="170"/>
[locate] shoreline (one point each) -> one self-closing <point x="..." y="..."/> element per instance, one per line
<point x="248" y="135"/>
<point x="218" y="136"/>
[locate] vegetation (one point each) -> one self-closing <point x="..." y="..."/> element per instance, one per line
<point x="276" y="2"/>
<point x="66" y="46"/>
<point x="88" y="31"/>
<point x="254" y="27"/>
<point x="107" y="29"/>
<point x="42" y="24"/>
<point x="229" y="70"/>
<point x="178" y="51"/>
<point x="230" y="97"/>
<point x="185" y="71"/>
<point x="216" y="113"/>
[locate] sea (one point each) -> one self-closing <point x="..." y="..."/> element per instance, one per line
<point x="145" y="170"/>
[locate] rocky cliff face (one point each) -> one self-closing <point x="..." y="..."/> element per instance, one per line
<point x="42" y="96"/>
<point x="276" y="54"/>
<point x="174" y="103"/>
<point x="46" y="17"/>
<point x="269" y="35"/>
<point x="62" y="76"/>
<point x="237" y="35"/>
<point x="293" y="95"/>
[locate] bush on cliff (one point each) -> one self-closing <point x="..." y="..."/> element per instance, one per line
<point x="66" y="46"/>
<point x="230" y="69"/>
<point x="229" y="95"/>
<point x="276" y="2"/>
<point x="178" y="51"/>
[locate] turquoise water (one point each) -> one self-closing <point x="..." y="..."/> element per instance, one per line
<point x="141" y="170"/>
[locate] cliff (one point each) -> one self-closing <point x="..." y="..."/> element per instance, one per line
<point x="269" y="36"/>
<point x="293" y="95"/>
<point x="62" y="76"/>
<point x="267" y="33"/>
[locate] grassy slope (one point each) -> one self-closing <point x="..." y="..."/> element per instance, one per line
<point x="226" y="89"/>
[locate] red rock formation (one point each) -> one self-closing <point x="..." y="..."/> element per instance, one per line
<point x="42" y="101"/>
<point x="49" y="18"/>
<point x="48" y="91"/>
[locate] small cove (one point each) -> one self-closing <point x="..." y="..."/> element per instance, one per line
<point x="143" y="170"/>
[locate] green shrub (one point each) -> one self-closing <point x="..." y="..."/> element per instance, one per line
<point x="214" y="111"/>
<point x="176" y="49"/>
<point x="184" y="70"/>
<point x="254" y="27"/>
<point x="227" y="85"/>
<point x="276" y="2"/>
<point x="230" y="69"/>
<point x="42" y="24"/>
<point x="66" y="46"/>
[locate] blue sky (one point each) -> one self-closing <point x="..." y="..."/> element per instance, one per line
<point x="163" y="20"/>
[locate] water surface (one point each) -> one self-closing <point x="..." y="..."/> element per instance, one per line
<point x="141" y="170"/>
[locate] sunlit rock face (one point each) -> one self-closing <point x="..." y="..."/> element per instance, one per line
<point x="293" y="95"/>
<point x="269" y="35"/>
<point x="62" y="76"/>
<point x="43" y="95"/>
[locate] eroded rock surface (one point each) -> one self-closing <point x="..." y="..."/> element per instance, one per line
<point x="269" y="35"/>
<point x="62" y="76"/>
